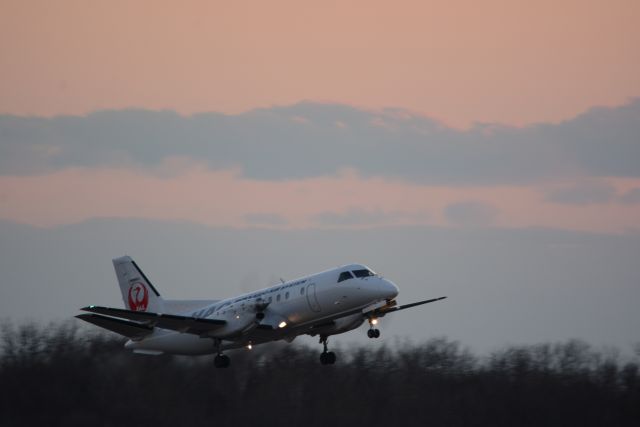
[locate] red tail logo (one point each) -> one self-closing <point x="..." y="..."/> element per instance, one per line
<point x="138" y="297"/>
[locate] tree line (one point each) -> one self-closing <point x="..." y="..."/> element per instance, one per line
<point x="62" y="375"/>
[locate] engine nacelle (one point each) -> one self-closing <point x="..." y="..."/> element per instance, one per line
<point x="237" y="324"/>
<point x="241" y="317"/>
<point x="341" y="325"/>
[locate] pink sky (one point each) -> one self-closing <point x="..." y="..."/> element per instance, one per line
<point x="461" y="61"/>
<point x="224" y="198"/>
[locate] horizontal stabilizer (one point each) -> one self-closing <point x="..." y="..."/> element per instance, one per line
<point x="127" y="328"/>
<point x="191" y="325"/>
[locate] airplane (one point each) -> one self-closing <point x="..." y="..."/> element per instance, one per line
<point x="328" y="303"/>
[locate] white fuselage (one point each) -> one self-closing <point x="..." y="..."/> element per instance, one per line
<point x="326" y="303"/>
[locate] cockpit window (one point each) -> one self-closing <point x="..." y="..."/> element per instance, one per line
<point x="363" y="273"/>
<point x="345" y="275"/>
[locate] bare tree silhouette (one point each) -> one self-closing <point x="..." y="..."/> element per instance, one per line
<point x="59" y="374"/>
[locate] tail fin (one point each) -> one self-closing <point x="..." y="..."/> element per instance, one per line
<point x="138" y="293"/>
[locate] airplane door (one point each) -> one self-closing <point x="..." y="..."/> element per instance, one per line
<point x="311" y="298"/>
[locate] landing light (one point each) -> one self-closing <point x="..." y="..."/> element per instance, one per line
<point x="374" y="321"/>
<point x="282" y="324"/>
<point x="249" y="346"/>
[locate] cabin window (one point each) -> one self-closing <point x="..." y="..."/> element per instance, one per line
<point x="270" y="299"/>
<point x="363" y="273"/>
<point x="278" y="297"/>
<point x="301" y="291"/>
<point x="345" y="275"/>
<point x="286" y="296"/>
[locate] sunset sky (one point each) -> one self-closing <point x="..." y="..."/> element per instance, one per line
<point x="322" y="117"/>
<point x="454" y="64"/>
<point x="512" y="62"/>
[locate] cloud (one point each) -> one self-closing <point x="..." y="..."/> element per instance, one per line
<point x="631" y="197"/>
<point x="583" y="193"/>
<point x="471" y="213"/>
<point x="359" y="217"/>
<point x="267" y="144"/>
<point x="270" y="219"/>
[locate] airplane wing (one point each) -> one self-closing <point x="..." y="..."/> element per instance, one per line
<point x="380" y="312"/>
<point x="133" y="330"/>
<point x="191" y="325"/>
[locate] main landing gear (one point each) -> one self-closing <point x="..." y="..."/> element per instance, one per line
<point x="221" y="360"/>
<point x="327" y="357"/>
<point x="373" y="332"/>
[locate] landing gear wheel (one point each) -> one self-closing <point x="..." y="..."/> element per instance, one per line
<point x="373" y="333"/>
<point x="326" y="357"/>
<point x="221" y="361"/>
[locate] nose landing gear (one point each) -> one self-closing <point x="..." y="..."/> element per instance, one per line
<point x="327" y="357"/>
<point x="373" y="332"/>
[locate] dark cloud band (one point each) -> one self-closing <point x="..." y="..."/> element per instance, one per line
<point x="310" y="139"/>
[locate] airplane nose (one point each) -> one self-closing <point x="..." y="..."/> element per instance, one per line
<point x="389" y="289"/>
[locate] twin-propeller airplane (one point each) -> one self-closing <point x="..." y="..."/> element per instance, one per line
<point x="323" y="304"/>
